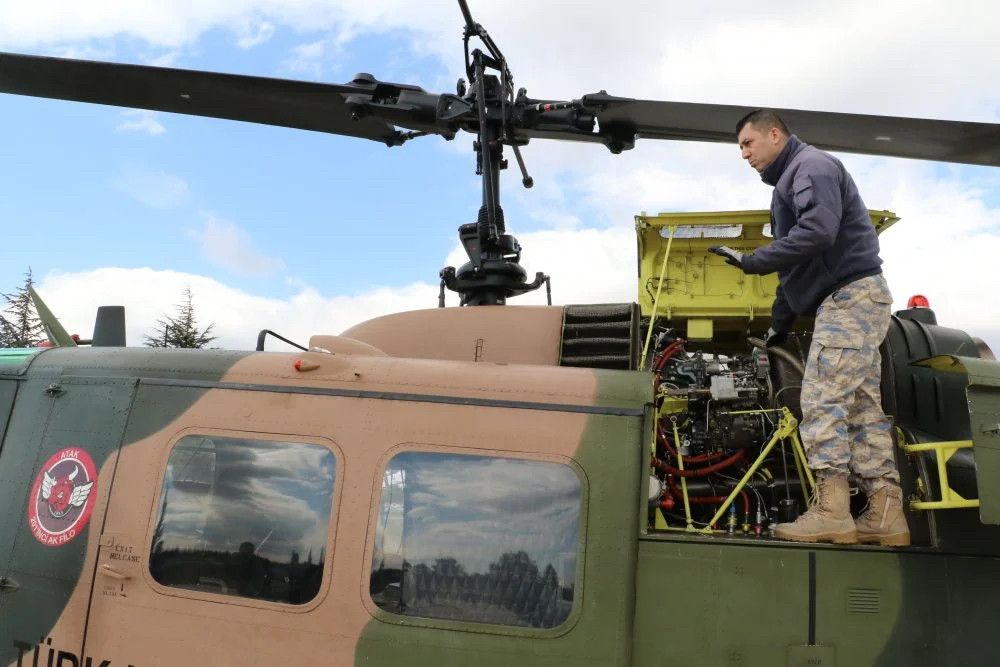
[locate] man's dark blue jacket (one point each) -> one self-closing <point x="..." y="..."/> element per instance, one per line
<point x="823" y="235"/>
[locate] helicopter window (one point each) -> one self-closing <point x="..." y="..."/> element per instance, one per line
<point x="477" y="538"/>
<point x="704" y="231"/>
<point x="245" y="518"/>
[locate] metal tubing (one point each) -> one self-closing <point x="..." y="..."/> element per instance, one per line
<point x="703" y="530"/>
<point x="800" y="448"/>
<point x="943" y="476"/>
<point x="802" y="466"/>
<point x="802" y="479"/>
<point x="656" y="301"/>
<point x="942" y="452"/>
<point x="939" y="446"/>
<point x="684" y="486"/>
<point x="943" y="505"/>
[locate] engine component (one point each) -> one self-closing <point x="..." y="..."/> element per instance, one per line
<point x="715" y="415"/>
<point x="717" y="388"/>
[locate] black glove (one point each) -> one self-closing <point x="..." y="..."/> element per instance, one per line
<point x="773" y="337"/>
<point x="734" y="257"/>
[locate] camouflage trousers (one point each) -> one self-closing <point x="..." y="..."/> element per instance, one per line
<point x="843" y="427"/>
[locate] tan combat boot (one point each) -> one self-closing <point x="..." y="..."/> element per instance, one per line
<point x="883" y="520"/>
<point x="829" y="517"/>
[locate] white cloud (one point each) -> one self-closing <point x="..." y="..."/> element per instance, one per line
<point x="225" y="244"/>
<point x="165" y="59"/>
<point x="254" y="33"/>
<point x="82" y="51"/>
<point x="237" y="315"/>
<point x="141" y="120"/>
<point x="153" y="188"/>
<point x="306" y="59"/>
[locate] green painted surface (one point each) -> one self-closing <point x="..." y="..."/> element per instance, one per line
<point x="712" y="604"/>
<point x="91" y="413"/>
<point x="983" y="394"/>
<point x="859" y="600"/>
<point x="88" y="417"/>
<point x="599" y="631"/>
<point x="8" y="390"/>
<point x="26" y="425"/>
<point x="984" y="420"/>
<point x="704" y="602"/>
<point x="139" y="362"/>
<point x="58" y="336"/>
<point x="14" y="361"/>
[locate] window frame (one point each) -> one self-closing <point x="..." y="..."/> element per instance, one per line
<point x="218" y="598"/>
<point x="391" y="618"/>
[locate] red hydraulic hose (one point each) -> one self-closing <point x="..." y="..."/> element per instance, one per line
<point x="660" y="362"/>
<point x="698" y="472"/>
<point x="668" y="352"/>
<point x="697" y="500"/>
<point x="709" y="500"/>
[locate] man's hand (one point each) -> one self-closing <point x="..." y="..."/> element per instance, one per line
<point x="773" y="337"/>
<point x="734" y="257"/>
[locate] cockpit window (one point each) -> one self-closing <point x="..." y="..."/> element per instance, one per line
<point x="245" y="518"/>
<point x="477" y="538"/>
<point x="704" y="231"/>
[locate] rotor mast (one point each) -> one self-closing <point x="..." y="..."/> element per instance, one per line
<point x="493" y="272"/>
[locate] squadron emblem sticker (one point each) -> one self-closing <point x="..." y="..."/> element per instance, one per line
<point x="63" y="497"/>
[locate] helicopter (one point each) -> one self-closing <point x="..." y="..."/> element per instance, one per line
<point x="481" y="483"/>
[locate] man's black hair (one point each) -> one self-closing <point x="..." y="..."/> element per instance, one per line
<point x="763" y="119"/>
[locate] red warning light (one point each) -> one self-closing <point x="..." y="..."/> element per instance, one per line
<point x="918" y="301"/>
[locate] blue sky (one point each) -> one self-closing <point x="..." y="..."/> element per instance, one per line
<point x="316" y="208"/>
<point x="308" y="233"/>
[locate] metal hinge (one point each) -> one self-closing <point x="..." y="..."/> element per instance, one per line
<point x="54" y="389"/>
<point x="992" y="429"/>
<point x="7" y="585"/>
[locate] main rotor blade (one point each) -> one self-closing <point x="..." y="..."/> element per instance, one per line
<point x="925" y="139"/>
<point x="296" y="104"/>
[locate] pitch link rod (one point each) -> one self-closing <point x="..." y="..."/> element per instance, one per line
<point x="528" y="181"/>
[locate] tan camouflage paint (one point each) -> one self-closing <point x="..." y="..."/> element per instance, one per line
<point x="155" y="625"/>
<point x="510" y="334"/>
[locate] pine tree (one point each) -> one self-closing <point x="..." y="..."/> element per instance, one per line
<point x="182" y="330"/>
<point x="19" y="323"/>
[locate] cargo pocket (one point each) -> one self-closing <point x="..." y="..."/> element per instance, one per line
<point x="879" y="294"/>
<point x="828" y="361"/>
<point x="838" y="338"/>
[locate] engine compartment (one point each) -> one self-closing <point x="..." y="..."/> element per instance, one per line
<point x="711" y="468"/>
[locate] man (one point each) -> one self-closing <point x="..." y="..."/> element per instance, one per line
<point x="825" y="251"/>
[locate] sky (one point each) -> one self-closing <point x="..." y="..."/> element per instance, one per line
<point x="306" y="233"/>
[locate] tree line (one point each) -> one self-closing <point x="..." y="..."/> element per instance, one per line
<point x="20" y="325"/>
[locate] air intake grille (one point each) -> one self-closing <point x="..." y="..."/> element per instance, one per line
<point x="599" y="336"/>
<point x="864" y="600"/>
